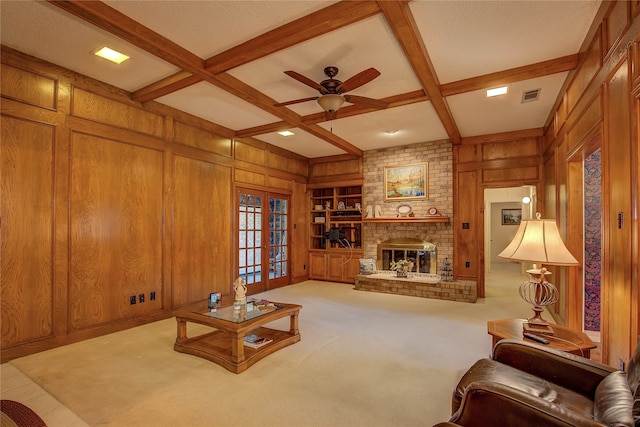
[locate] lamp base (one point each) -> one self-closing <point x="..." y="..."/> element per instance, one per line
<point x="537" y="329"/>
<point x="539" y="293"/>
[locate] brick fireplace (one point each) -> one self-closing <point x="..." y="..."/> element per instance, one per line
<point x="439" y="157"/>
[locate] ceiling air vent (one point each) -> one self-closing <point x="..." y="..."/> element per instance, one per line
<point x="531" y="95"/>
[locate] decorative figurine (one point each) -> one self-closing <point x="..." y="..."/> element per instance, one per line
<point x="240" y="289"/>
<point x="369" y="212"/>
<point x="378" y="211"/>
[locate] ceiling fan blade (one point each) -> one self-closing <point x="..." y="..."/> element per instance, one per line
<point x="367" y="102"/>
<point x="295" y="101"/>
<point x="358" y="80"/>
<point x="306" y="80"/>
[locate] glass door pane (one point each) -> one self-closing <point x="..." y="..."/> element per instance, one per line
<point x="250" y="238"/>
<point x="278" y="242"/>
<point x="263" y="240"/>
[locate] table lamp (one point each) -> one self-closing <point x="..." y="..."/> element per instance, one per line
<point x="538" y="241"/>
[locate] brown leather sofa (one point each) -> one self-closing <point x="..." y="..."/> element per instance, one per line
<point x="526" y="384"/>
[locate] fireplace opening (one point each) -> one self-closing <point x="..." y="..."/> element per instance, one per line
<point x="420" y="252"/>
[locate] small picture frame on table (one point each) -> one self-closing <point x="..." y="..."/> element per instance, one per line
<point x="214" y="300"/>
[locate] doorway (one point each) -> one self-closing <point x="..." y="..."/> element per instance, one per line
<point x="262" y="240"/>
<point x="518" y="203"/>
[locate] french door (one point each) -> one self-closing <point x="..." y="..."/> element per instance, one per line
<point x="263" y="239"/>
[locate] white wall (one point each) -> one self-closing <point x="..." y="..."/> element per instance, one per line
<point x="496" y="235"/>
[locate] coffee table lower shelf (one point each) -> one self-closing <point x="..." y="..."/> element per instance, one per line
<point x="217" y="346"/>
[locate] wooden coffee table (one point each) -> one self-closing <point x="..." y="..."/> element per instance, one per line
<point x="225" y="345"/>
<point x="564" y="339"/>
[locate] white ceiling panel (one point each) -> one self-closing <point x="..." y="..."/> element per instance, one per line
<point x="472" y="38"/>
<point x="213" y="104"/>
<point x="206" y="28"/>
<point x="476" y="114"/>
<point x="302" y="143"/>
<point x="62" y="39"/>
<point x="408" y="124"/>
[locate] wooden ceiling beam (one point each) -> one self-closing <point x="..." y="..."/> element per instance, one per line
<point x="404" y="27"/>
<point x="103" y="16"/>
<point x="313" y="25"/>
<point x="173" y="83"/>
<point x="503" y="136"/>
<point x="352" y="110"/>
<point x="295" y="32"/>
<point x="263" y="129"/>
<point x="526" y="72"/>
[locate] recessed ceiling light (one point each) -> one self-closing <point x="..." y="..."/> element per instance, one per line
<point x="286" y="133"/>
<point x="112" y="55"/>
<point x="497" y="91"/>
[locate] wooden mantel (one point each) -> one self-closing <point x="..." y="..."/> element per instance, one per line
<point x="408" y="219"/>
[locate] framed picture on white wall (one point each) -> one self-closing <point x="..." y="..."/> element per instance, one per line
<point x="511" y="216"/>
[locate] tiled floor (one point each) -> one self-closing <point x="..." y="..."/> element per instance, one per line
<point x="17" y="386"/>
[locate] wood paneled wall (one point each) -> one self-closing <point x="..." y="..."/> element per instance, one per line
<point x="104" y="199"/>
<point x="599" y="109"/>
<point x="492" y="161"/>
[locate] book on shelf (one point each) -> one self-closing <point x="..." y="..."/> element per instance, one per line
<point x="255" y="341"/>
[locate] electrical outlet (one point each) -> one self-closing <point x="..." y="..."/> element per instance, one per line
<point x="141" y="297"/>
<point x="467" y="264"/>
<point x="305" y="267"/>
<point x="132" y="299"/>
<point x="621" y="364"/>
<point x="152" y="296"/>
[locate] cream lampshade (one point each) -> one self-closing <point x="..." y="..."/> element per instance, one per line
<point x="330" y="102"/>
<point x="538" y="241"/>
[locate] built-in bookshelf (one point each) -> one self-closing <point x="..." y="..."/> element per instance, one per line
<point x="336" y="218"/>
<point x="335" y="239"/>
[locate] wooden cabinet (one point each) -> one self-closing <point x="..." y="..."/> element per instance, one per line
<point x="334" y="266"/>
<point x="335" y="237"/>
<point x="317" y="265"/>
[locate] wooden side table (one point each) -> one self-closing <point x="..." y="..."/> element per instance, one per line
<point x="564" y="339"/>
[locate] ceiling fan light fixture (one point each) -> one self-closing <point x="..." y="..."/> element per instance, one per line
<point x="331" y="102"/>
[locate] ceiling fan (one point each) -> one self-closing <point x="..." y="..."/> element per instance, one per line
<point x="332" y="91"/>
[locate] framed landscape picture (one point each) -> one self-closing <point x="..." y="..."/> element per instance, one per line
<point x="405" y="182"/>
<point x="511" y="216"/>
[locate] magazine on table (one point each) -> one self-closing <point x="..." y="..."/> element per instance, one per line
<point x="255" y="341"/>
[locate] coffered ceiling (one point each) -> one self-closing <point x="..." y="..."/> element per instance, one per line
<point x="224" y="61"/>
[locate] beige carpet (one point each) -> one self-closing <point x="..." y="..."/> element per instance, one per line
<point x="365" y="359"/>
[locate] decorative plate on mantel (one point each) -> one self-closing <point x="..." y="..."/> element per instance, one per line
<point x="404" y="209"/>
